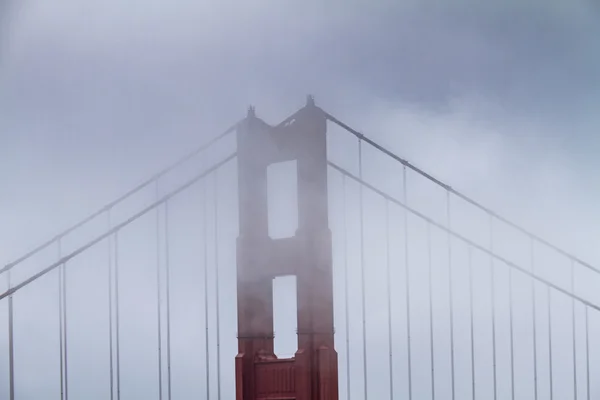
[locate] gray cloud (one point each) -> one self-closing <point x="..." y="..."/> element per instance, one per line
<point x="498" y="100"/>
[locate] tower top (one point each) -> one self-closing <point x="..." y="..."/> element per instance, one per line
<point x="251" y="112"/>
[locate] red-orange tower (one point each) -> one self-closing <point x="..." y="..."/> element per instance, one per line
<point x="312" y="373"/>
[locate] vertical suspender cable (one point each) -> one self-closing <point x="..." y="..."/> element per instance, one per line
<point x="64" y="330"/>
<point x="587" y="352"/>
<point x="60" y="323"/>
<point x="534" y="321"/>
<point x="470" y="263"/>
<point x="205" y="235"/>
<point x="389" y="295"/>
<point x="407" y="282"/>
<point x="430" y="289"/>
<point x="110" y="310"/>
<point x="512" y="338"/>
<point x="362" y="268"/>
<point x="158" y="298"/>
<point x="574" y="331"/>
<point x="11" y="347"/>
<point x="493" y="298"/>
<point x="168" y="298"/>
<point x="346" y="308"/>
<point x="216" y="233"/>
<point x="450" y="296"/>
<point x="117" y="319"/>
<point x="551" y="371"/>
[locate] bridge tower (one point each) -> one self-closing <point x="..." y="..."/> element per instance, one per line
<point x="312" y="373"/>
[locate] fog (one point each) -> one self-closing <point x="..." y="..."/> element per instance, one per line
<point x="495" y="100"/>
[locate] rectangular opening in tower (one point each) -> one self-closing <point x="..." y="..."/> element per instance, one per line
<point x="282" y="199"/>
<point x="285" y="316"/>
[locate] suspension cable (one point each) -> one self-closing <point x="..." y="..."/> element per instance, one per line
<point x="362" y="269"/>
<point x="131" y="192"/>
<point x="455" y="192"/>
<point x="117" y="318"/>
<point x="573" y="322"/>
<point x="587" y="352"/>
<point x="450" y="296"/>
<point x="158" y="298"/>
<point x="120" y="199"/>
<point x="463" y="239"/>
<point x="472" y="322"/>
<point x="430" y="290"/>
<point x="389" y="295"/>
<point x="115" y="229"/>
<point x="407" y="283"/>
<point x="168" y="297"/>
<point x="205" y="222"/>
<point x="11" y="343"/>
<point x="216" y="233"/>
<point x="346" y="308"/>
<point x="63" y="306"/>
<point x="493" y="305"/>
<point x="512" y="334"/>
<point x="534" y="321"/>
<point x="60" y="324"/>
<point x="550" y="369"/>
<point x="110" y="309"/>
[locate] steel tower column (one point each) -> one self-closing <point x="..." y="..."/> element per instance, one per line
<point x="312" y="373"/>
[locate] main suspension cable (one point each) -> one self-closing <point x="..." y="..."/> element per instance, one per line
<point x="120" y="199"/>
<point x="483" y="249"/>
<point x="115" y="229"/>
<point x="455" y="192"/>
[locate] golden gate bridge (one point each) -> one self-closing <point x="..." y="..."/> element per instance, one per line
<point x="381" y="282"/>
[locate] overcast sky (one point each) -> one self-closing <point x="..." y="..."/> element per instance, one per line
<point x="498" y="99"/>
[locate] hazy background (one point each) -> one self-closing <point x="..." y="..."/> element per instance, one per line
<point x="496" y="99"/>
